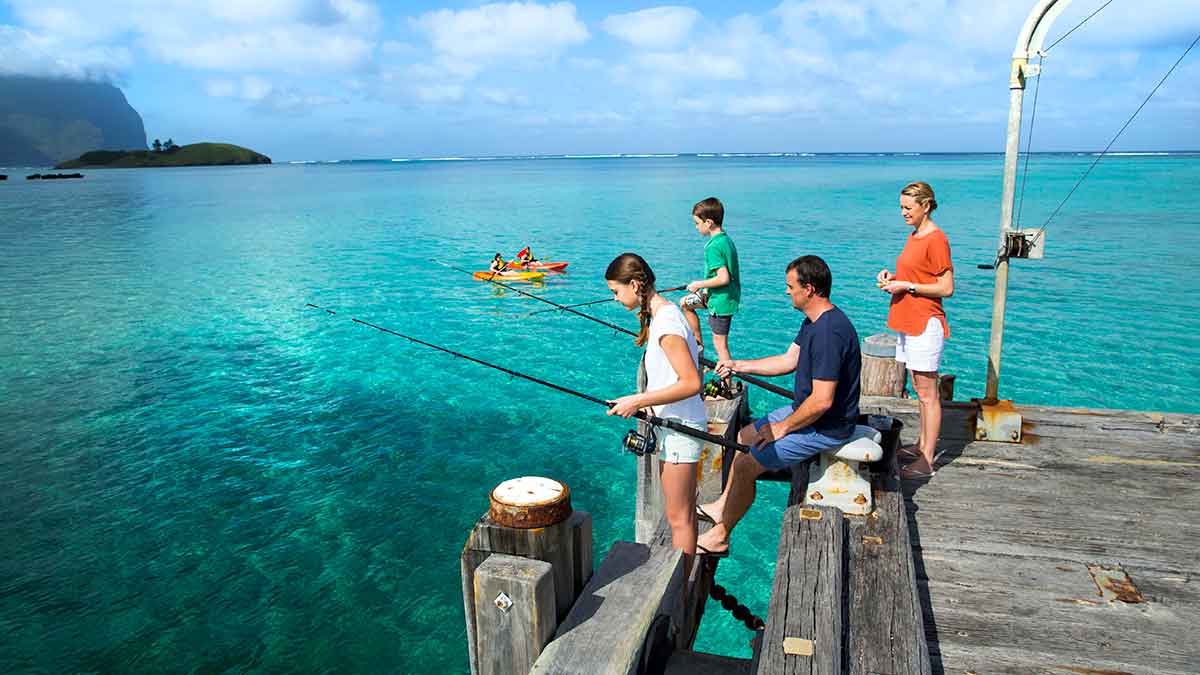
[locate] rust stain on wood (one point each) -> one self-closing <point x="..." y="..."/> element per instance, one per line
<point x="1093" y="671"/>
<point x="868" y="539"/>
<point x="1114" y="584"/>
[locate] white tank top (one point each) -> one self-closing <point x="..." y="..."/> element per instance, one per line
<point x="668" y="320"/>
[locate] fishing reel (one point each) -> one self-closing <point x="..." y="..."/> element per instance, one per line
<point x="722" y="388"/>
<point x="696" y="299"/>
<point x="641" y="443"/>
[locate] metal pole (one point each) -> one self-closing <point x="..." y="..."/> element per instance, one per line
<point x="1028" y="43"/>
<point x="1000" y="292"/>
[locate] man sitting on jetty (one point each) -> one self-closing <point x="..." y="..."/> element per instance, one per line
<point x="826" y="359"/>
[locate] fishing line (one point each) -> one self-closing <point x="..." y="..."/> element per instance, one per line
<point x="774" y="389"/>
<point x="596" y="302"/>
<point x="642" y="415"/>
<point x="1125" y="126"/>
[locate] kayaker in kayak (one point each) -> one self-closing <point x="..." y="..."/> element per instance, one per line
<point x="498" y="264"/>
<point x="525" y="256"/>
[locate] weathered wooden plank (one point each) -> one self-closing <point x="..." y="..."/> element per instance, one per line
<point x="884" y="627"/>
<point x="605" y="630"/>
<point x="514" y="611"/>
<point x="1140" y="521"/>
<point x="1015" y="660"/>
<point x="1058" y="451"/>
<point x="1172" y="434"/>
<point x="804" y="621"/>
<point x="1052" y="610"/>
<point x="684" y="662"/>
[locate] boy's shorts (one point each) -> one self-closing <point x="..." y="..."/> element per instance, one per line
<point x="795" y="447"/>
<point x="719" y="325"/>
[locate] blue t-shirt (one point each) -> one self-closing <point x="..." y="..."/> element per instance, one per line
<point x="829" y="351"/>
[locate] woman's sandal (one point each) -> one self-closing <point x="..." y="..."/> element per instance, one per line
<point x="701" y="514"/>
<point x="700" y="550"/>
<point x="914" y="452"/>
<point x="909" y="473"/>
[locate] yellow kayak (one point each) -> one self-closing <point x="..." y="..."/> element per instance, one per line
<point x="508" y="277"/>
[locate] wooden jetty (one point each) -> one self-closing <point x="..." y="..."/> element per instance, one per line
<point x="1074" y="551"/>
<point x="1070" y="552"/>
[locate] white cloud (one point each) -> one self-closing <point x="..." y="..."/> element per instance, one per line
<point x="654" y="28"/>
<point x="249" y="88"/>
<point x="221" y="88"/>
<point x="439" y="93"/>
<point x="267" y="97"/>
<point x="297" y="36"/>
<point x="467" y="41"/>
<point x="693" y="64"/>
<point x="504" y="97"/>
<point x="766" y="104"/>
<point x="23" y="52"/>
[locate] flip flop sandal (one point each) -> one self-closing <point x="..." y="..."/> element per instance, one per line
<point x="909" y="473"/>
<point x="700" y="550"/>
<point x="913" y="452"/>
<point x="701" y="514"/>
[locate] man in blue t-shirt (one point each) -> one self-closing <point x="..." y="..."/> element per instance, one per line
<point x="826" y="359"/>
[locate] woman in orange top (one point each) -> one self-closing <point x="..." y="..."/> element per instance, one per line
<point x="924" y="275"/>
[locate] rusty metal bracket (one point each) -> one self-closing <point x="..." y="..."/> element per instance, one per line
<point x="999" y="422"/>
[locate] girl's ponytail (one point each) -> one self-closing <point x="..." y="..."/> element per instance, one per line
<point x="629" y="267"/>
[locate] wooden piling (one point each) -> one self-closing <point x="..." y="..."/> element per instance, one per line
<point x="566" y="545"/>
<point x="882" y="374"/>
<point x="514" y="613"/>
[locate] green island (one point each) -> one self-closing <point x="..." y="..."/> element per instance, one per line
<point x="196" y="154"/>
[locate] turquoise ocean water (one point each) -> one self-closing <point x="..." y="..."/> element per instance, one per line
<point x="199" y="473"/>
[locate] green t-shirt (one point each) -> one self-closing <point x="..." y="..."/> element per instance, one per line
<point x="719" y="252"/>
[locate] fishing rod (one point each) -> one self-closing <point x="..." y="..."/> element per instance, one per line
<point x="641" y="444"/>
<point x="596" y="302"/>
<point x="773" y="388"/>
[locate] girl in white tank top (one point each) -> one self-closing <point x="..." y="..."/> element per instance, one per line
<point x="673" y="385"/>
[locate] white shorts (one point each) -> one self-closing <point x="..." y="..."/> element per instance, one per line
<point x="677" y="448"/>
<point x="922" y="353"/>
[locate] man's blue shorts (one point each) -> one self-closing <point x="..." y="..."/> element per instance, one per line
<point x="795" y="447"/>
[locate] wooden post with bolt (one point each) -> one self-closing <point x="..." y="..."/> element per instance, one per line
<point x="529" y="518"/>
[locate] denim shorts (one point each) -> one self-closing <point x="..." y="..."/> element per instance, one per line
<point x="677" y="448"/>
<point x="794" y="447"/>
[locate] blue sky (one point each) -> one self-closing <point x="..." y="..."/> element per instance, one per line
<point x="324" y="79"/>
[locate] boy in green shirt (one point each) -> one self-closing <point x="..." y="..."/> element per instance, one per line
<point x="721" y="278"/>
